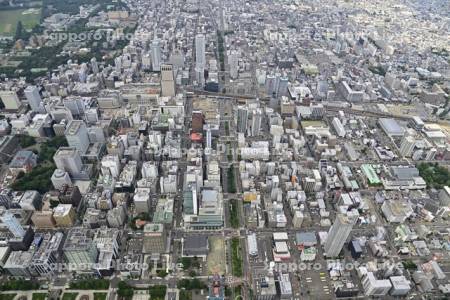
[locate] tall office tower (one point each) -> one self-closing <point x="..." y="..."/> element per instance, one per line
<point x="146" y="62"/>
<point x="79" y="248"/>
<point x="167" y="81"/>
<point x="233" y="60"/>
<point x="177" y="59"/>
<point x="12" y="224"/>
<point x="242" y="118"/>
<point x="271" y="85"/>
<point x="339" y="232"/>
<point x="10" y="100"/>
<point x="110" y="165"/>
<point x="431" y="154"/>
<point x="197" y="121"/>
<point x="156" y="56"/>
<point x="256" y="122"/>
<point x="34" y="99"/>
<point x="94" y="65"/>
<point x="200" y="59"/>
<point x="77" y="135"/>
<point x="200" y="75"/>
<point x="75" y="104"/>
<point x="208" y="137"/>
<point x="407" y="145"/>
<point x="118" y="64"/>
<point x="68" y="159"/>
<point x="282" y="86"/>
<point x="60" y="178"/>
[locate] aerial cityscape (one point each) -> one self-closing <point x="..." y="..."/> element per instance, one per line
<point x="239" y="149"/>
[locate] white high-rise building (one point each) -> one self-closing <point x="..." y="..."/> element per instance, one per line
<point x="208" y="137"/>
<point x="375" y="287"/>
<point x="68" y="159"/>
<point x="200" y="59"/>
<point x="167" y="81"/>
<point x="431" y="154"/>
<point x="94" y="65"/>
<point x="149" y="170"/>
<point x="77" y="135"/>
<point x="200" y="75"/>
<point x="407" y="145"/>
<point x="117" y="216"/>
<point x="146" y="62"/>
<point x="34" y="99"/>
<point x="141" y="200"/>
<point x="12" y="224"/>
<point x="339" y="232"/>
<point x="156" y="56"/>
<point x="60" y="178"/>
<point x="233" y="60"/>
<point x="111" y="166"/>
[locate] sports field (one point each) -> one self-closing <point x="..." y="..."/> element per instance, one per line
<point x="9" y="19"/>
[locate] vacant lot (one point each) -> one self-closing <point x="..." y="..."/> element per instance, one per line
<point x="216" y="256"/>
<point x="9" y="19"/>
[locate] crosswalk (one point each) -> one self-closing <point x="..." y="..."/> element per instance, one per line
<point x="325" y="288"/>
<point x="323" y="278"/>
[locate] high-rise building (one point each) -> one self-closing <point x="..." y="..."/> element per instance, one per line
<point x="117" y="216"/>
<point x="197" y="121"/>
<point x="79" y="248"/>
<point x="18" y="263"/>
<point x="10" y="100"/>
<point x="283" y="83"/>
<point x="75" y="105"/>
<point x="375" y="287"/>
<point x="407" y="145"/>
<point x="77" y="135"/>
<point x="271" y="85"/>
<point x="141" y="200"/>
<point x="64" y="215"/>
<point x="256" y="122"/>
<point x="110" y="165"/>
<point x="208" y="137"/>
<point x="167" y="81"/>
<point x="45" y="257"/>
<point x="60" y="178"/>
<point x="200" y="75"/>
<point x="69" y="160"/>
<point x="200" y="59"/>
<point x="94" y="65"/>
<point x="12" y="224"/>
<point x="233" y="60"/>
<point x="34" y="99"/>
<point x="242" y="119"/>
<point x="339" y="232"/>
<point x="156" y="56"/>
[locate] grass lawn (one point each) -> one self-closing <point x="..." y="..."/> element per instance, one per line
<point x="236" y="257"/>
<point x="100" y="296"/>
<point x="7" y="296"/>
<point x="9" y="19"/>
<point x="234" y="213"/>
<point x="69" y="296"/>
<point x="39" y="296"/>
